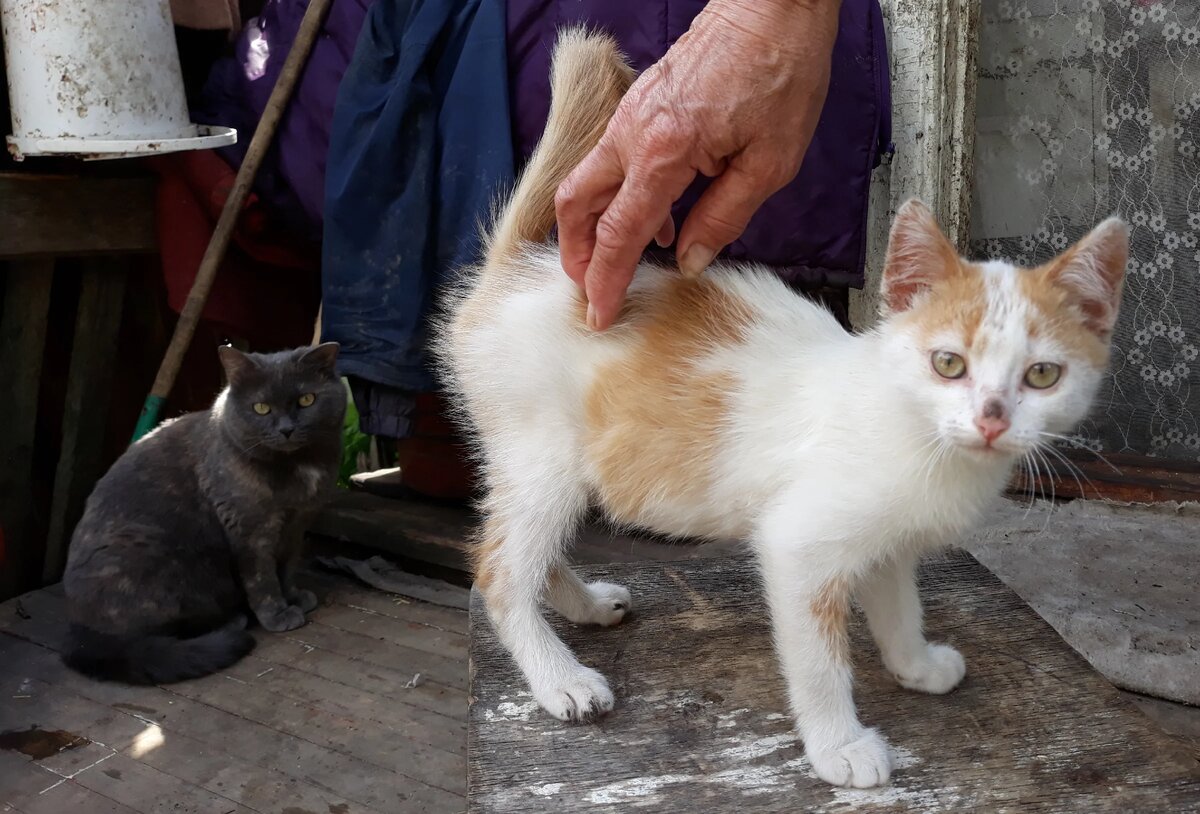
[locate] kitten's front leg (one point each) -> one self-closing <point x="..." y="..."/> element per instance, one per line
<point x="893" y="607"/>
<point x="810" y="609"/>
<point x="255" y="556"/>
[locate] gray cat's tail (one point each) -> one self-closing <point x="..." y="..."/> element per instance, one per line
<point x="153" y="659"/>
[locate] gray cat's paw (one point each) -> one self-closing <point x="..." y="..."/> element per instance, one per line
<point x="306" y="599"/>
<point x="289" y="618"/>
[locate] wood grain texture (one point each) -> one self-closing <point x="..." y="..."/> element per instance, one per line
<point x="292" y="729"/>
<point x="26" y="306"/>
<point x="424" y="531"/>
<point x="85" y="411"/>
<point x="63" y="215"/>
<point x="1118" y="477"/>
<point x="701" y="723"/>
<point x="438" y="534"/>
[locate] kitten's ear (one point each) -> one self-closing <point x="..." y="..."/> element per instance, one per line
<point x="1093" y="273"/>
<point x="918" y="257"/>
<point x="237" y="364"/>
<point x="323" y="357"/>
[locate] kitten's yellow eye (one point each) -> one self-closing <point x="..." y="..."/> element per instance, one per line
<point x="1042" y="375"/>
<point x="307" y="400"/>
<point x="949" y="365"/>
<point x="262" y="408"/>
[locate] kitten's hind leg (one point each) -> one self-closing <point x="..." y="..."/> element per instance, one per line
<point x="522" y="542"/>
<point x="594" y="603"/>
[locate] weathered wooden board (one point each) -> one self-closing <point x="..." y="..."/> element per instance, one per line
<point x="292" y="728"/>
<point x="437" y="534"/>
<point x="61" y="215"/>
<point x="701" y="722"/>
<point x="23" y="318"/>
<point x="85" y="413"/>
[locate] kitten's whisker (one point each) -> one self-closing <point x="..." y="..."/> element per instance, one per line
<point x="1051" y="502"/>
<point x="1029" y="481"/>
<point x="1076" y="445"/>
<point x="1075" y="471"/>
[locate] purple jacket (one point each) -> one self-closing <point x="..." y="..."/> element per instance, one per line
<point x="813" y="230"/>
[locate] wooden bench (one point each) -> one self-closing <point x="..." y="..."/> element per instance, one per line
<point x="701" y="722"/>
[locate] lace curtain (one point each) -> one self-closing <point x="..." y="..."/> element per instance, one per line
<point x="1087" y="108"/>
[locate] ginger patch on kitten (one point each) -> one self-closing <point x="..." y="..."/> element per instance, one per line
<point x="653" y="422"/>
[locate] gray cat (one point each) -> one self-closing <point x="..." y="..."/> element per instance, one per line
<point x="201" y="522"/>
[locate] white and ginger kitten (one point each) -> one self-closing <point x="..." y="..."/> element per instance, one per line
<point x="730" y="407"/>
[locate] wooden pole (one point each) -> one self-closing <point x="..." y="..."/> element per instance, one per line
<point x="189" y="316"/>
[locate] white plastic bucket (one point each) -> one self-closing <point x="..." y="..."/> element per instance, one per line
<point x="97" y="79"/>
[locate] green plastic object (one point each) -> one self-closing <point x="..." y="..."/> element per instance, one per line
<point x="148" y="420"/>
<point x="354" y="442"/>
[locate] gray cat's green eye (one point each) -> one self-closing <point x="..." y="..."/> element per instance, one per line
<point x="307" y="400"/>
<point x="1042" y="375"/>
<point x="948" y="365"/>
<point x="262" y="408"/>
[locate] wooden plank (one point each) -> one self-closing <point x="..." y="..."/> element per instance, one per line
<point x="351" y="671"/>
<point x="101" y="764"/>
<point x="419" y="753"/>
<point x="428" y="765"/>
<point x="440" y="534"/>
<point x="371" y="662"/>
<point x="702" y="723"/>
<point x="187" y="759"/>
<point x="23" y="324"/>
<point x="424" y="531"/>
<point x="267" y="752"/>
<point x="1121" y="478"/>
<point x="27" y="788"/>
<point x="376" y="650"/>
<point x="85" y="414"/>
<point x="934" y="47"/>
<point x="413" y="635"/>
<point x="61" y="215"/>
<point x="366" y="710"/>
<point x="343" y="591"/>
<point x="264" y="747"/>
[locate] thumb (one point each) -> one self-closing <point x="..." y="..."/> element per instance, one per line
<point x="720" y="217"/>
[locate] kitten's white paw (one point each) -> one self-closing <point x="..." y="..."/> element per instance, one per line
<point x="860" y="764"/>
<point x="938" y="672"/>
<point x="612" y="602"/>
<point x="581" y="695"/>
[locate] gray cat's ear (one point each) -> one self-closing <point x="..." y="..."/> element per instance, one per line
<point x="237" y="364"/>
<point x="323" y="357"/>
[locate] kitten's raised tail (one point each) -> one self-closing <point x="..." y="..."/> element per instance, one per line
<point x="155" y="659"/>
<point x="588" y="78"/>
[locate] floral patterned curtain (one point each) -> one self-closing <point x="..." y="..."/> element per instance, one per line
<point x="1087" y="108"/>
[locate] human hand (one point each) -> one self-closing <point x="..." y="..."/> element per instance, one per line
<point x="736" y="98"/>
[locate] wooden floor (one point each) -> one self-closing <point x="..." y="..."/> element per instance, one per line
<point x="316" y="721"/>
<point x="320" y="720"/>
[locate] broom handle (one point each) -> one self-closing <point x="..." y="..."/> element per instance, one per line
<point x="189" y="316"/>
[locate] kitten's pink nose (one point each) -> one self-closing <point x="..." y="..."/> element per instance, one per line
<point x="993" y="421"/>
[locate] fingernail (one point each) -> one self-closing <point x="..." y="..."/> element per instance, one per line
<point x="591" y="316"/>
<point x="695" y="260"/>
